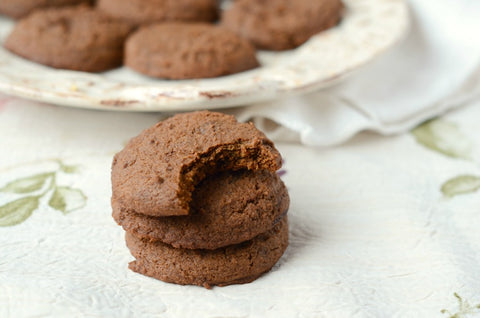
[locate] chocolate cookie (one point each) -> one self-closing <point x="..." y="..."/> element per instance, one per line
<point x="76" y="38"/>
<point x="281" y="24"/>
<point x="155" y="174"/>
<point x="20" y="8"/>
<point x="235" y="264"/>
<point x="183" y="51"/>
<point x="150" y="11"/>
<point x="228" y="208"/>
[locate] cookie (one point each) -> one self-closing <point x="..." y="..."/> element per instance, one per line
<point x="155" y="174"/>
<point x="187" y="51"/>
<point x="235" y="264"/>
<point x="281" y="24"/>
<point x="228" y="208"/>
<point x="75" y="38"/>
<point x="140" y="12"/>
<point x="20" y="8"/>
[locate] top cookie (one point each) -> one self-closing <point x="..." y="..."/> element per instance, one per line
<point x="281" y="24"/>
<point x="155" y="174"/>
<point x="140" y="12"/>
<point x="20" y="8"/>
<point x="76" y="38"/>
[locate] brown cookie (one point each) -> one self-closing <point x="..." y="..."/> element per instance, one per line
<point x="20" y="8"/>
<point x="228" y="208"/>
<point x="235" y="264"/>
<point x="155" y="174"/>
<point x="185" y="50"/>
<point x="140" y="12"/>
<point x="281" y="24"/>
<point x="76" y="38"/>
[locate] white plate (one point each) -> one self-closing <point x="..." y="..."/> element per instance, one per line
<point x="368" y="28"/>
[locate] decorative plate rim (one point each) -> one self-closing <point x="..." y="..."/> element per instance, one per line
<point x="368" y="28"/>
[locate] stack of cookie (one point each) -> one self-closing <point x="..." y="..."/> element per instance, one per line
<point x="200" y="200"/>
<point x="162" y="38"/>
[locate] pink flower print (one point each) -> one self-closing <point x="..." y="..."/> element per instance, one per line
<point x="3" y="102"/>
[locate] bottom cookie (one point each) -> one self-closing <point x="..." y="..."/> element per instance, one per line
<point x="235" y="264"/>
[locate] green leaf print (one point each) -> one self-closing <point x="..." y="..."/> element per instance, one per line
<point x="443" y="137"/>
<point x="44" y="185"/>
<point x="464" y="309"/>
<point x="68" y="169"/>
<point x="66" y="199"/>
<point x="28" y="184"/>
<point x="17" y="211"/>
<point x="461" y="185"/>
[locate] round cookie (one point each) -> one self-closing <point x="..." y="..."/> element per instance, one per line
<point x="235" y="264"/>
<point x="155" y="174"/>
<point x="75" y="38"/>
<point x="228" y="208"/>
<point x="187" y="51"/>
<point x="20" y="8"/>
<point x="140" y="12"/>
<point x="281" y="24"/>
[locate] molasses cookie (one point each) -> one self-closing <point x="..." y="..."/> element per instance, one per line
<point x="235" y="264"/>
<point x="140" y="12"/>
<point x="75" y="38"/>
<point x="155" y="174"/>
<point x="281" y="24"/>
<point x="20" y="8"/>
<point x="228" y="208"/>
<point x="185" y="51"/>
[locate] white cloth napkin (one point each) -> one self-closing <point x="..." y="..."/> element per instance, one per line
<point x="436" y="68"/>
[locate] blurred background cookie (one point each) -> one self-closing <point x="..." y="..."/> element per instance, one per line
<point x="20" y="8"/>
<point x="75" y="38"/>
<point x="186" y="51"/>
<point x="281" y="24"/>
<point x="141" y="12"/>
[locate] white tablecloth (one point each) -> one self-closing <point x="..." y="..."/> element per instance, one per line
<point x="379" y="226"/>
<point x="372" y="234"/>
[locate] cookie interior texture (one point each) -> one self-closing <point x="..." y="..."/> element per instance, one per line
<point x="281" y="24"/>
<point x="75" y="38"/>
<point x="156" y="173"/>
<point x="188" y="51"/>
<point x="227" y="208"/>
<point x="235" y="264"/>
<point x="141" y="12"/>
